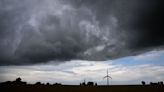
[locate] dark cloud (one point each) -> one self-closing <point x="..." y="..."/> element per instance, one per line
<point x="35" y="31"/>
<point x="149" y="23"/>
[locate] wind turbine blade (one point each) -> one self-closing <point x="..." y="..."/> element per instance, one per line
<point x="110" y="77"/>
<point x="105" y="77"/>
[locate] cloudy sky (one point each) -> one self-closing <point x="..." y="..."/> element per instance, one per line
<point x="71" y="40"/>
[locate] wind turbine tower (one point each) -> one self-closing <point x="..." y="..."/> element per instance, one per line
<point x="107" y="77"/>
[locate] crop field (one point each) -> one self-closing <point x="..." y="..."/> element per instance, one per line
<point x="71" y="88"/>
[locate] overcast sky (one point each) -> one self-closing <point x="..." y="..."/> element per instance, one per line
<point x="69" y="33"/>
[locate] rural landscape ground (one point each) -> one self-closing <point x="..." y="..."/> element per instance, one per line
<point x="66" y="88"/>
<point x="21" y="86"/>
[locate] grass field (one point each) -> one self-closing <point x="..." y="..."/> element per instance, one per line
<point x="66" y="88"/>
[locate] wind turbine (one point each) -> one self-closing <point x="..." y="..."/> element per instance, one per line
<point x="107" y="77"/>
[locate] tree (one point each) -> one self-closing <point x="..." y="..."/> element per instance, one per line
<point x="143" y="82"/>
<point x="18" y="79"/>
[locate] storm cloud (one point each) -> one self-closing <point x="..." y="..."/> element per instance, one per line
<point x="38" y="31"/>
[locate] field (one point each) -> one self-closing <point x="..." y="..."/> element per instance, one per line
<point x="67" y="88"/>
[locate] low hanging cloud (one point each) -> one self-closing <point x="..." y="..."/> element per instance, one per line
<point x="36" y="31"/>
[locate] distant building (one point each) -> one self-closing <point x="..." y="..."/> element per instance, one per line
<point x="83" y="83"/>
<point x="157" y="83"/>
<point x="90" y="84"/>
<point x="57" y="84"/>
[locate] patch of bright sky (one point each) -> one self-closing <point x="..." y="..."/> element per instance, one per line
<point x="153" y="57"/>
